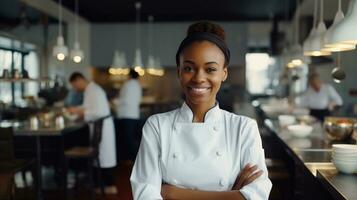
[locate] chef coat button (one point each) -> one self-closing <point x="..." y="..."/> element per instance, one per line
<point x="175" y="155"/>
<point x="222" y="183"/>
<point x="215" y="128"/>
<point x="175" y="182"/>
<point x="218" y="153"/>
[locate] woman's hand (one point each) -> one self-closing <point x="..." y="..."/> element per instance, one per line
<point x="167" y="190"/>
<point x="246" y="176"/>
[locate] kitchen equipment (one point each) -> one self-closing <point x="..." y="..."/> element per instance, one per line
<point x="16" y="74"/>
<point x="346" y="167"/>
<point x="306" y="119"/>
<point x="339" y="128"/>
<point x="34" y="123"/>
<point x="6" y="73"/>
<point x="285" y="120"/>
<point x="300" y="130"/>
<point x="344" y="157"/>
<point x="59" y="121"/>
<point x="337" y="73"/>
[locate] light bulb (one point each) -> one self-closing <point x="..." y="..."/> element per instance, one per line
<point x="77" y="59"/>
<point x="296" y="62"/>
<point x="61" y="56"/>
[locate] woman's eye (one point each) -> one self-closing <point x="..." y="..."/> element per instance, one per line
<point x="187" y="68"/>
<point x="211" y="69"/>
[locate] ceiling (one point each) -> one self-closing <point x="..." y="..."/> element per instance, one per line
<point x="106" y="11"/>
<point x="13" y="13"/>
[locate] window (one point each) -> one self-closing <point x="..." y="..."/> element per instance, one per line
<point x="11" y="58"/>
<point x="257" y="72"/>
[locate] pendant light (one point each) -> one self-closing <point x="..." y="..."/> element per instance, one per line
<point x="296" y="51"/>
<point x="138" y="63"/>
<point x="345" y="32"/>
<point x="77" y="54"/>
<point x="317" y="41"/>
<point x="307" y="47"/>
<point x="329" y="45"/>
<point x="153" y="64"/>
<point x="150" y="65"/>
<point x="60" y="51"/>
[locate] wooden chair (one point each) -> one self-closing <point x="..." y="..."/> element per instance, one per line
<point x="8" y="163"/>
<point x="89" y="153"/>
<point x="6" y="186"/>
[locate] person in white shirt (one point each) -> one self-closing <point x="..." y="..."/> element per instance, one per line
<point x="321" y="98"/>
<point x="200" y="151"/>
<point x="95" y="105"/>
<point x="128" y="111"/>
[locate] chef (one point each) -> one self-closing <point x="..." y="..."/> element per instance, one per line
<point x="200" y="151"/>
<point x="128" y="111"/>
<point x="95" y="105"/>
<point x="321" y="98"/>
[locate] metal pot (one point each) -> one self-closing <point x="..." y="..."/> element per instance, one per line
<point x="339" y="128"/>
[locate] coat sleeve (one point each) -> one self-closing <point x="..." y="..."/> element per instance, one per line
<point x="334" y="96"/>
<point x="146" y="177"/>
<point x="253" y="153"/>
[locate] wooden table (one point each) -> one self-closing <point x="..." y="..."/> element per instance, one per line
<point x="50" y="130"/>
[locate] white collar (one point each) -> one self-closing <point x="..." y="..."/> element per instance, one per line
<point x="212" y="115"/>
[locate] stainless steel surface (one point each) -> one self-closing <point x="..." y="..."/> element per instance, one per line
<point x="51" y="128"/>
<point x="343" y="186"/>
<point x="314" y="151"/>
<point x="339" y="128"/>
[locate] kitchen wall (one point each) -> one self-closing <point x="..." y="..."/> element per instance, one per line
<point x="105" y="38"/>
<point x="348" y="63"/>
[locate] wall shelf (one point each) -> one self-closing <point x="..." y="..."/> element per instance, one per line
<point x="24" y="80"/>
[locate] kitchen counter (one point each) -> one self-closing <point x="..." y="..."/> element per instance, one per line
<point x="313" y="153"/>
<point x="342" y="186"/>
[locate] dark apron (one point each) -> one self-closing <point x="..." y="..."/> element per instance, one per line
<point x="320" y="114"/>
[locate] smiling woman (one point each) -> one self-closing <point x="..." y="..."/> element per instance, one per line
<point x="200" y="151"/>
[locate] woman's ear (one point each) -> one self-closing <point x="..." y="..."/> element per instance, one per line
<point x="225" y="74"/>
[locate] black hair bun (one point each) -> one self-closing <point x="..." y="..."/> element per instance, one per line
<point x="207" y="27"/>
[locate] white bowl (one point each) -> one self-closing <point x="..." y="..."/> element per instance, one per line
<point x="71" y="117"/>
<point x="344" y="148"/>
<point x="345" y="167"/>
<point x="286" y="120"/>
<point x="300" y="130"/>
<point x="344" y="159"/>
<point x="345" y="155"/>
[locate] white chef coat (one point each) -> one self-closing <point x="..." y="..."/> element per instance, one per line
<point x="321" y="99"/>
<point x="129" y="100"/>
<point x="95" y="106"/>
<point x="203" y="156"/>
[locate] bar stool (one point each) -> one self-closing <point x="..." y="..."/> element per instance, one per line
<point x="7" y="186"/>
<point x="90" y="153"/>
<point x="8" y="163"/>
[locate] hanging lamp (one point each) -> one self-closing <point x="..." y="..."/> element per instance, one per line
<point x="138" y="63"/>
<point x="307" y="47"/>
<point x="77" y="54"/>
<point x="336" y="47"/>
<point x="60" y="50"/>
<point x="150" y="64"/>
<point x="296" y="51"/>
<point x="344" y="32"/>
<point x="317" y="41"/>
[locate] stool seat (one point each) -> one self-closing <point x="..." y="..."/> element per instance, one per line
<point x="13" y="166"/>
<point x="80" y="152"/>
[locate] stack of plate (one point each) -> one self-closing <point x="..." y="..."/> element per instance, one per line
<point x="344" y="157"/>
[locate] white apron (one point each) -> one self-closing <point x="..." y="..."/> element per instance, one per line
<point x="96" y="105"/>
<point x="198" y="151"/>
